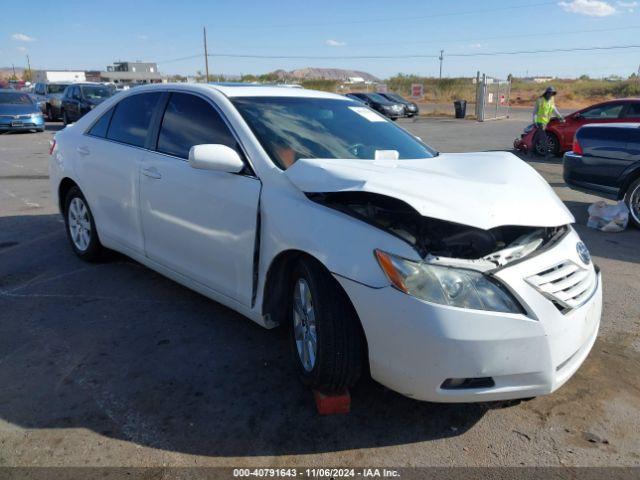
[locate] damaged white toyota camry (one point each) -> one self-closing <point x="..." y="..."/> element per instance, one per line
<point x="450" y="277"/>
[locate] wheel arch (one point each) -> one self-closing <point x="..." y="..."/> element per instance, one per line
<point x="630" y="178"/>
<point x="63" y="189"/>
<point x="277" y="279"/>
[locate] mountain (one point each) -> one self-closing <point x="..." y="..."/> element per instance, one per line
<point x="311" y="73"/>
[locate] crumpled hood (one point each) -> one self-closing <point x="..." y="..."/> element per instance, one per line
<point x="483" y="190"/>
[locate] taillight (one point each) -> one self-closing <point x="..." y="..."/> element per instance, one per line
<point x="52" y="146"/>
<point x="577" y="149"/>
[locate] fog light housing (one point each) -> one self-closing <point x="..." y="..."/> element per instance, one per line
<point x="464" y="383"/>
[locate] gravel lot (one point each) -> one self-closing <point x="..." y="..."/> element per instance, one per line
<point x="114" y="365"/>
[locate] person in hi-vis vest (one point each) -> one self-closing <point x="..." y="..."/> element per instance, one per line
<point x="544" y="109"/>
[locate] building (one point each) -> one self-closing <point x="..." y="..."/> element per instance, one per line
<point x="130" y="73"/>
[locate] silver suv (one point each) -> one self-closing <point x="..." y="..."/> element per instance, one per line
<point x="49" y="96"/>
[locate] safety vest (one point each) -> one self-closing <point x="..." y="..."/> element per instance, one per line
<point x="544" y="109"/>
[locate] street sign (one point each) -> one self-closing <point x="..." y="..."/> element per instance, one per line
<point x="417" y="90"/>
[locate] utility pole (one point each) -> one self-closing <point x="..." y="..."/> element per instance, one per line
<point x="441" y="57"/>
<point x="29" y="69"/>
<point x="206" y="55"/>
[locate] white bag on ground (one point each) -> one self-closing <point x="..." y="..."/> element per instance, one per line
<point x="608" y="218"/>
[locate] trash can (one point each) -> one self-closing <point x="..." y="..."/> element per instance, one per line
<point x="461" y="108"/>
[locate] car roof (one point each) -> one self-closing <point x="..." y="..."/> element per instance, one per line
<point x="243" y="90"/>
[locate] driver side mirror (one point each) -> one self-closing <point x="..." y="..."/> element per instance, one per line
<point x="219" y="158"/>
<point x="577" y="116"/>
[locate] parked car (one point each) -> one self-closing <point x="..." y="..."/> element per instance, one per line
<point x="389" y="109"/>
<point x="18" y="111"/>
<point x="560" y="134"/>
<point x="80" y="98"/>
<point x="306" y="209"/>
<point x="49" y="97"/>
<point x="605" y="161"/>
<point x="410" y="108"/>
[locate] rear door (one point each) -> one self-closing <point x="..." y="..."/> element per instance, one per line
<point x="199" y="223"/>
<point x="109" y="158"/>
<point x="606" y="153"/>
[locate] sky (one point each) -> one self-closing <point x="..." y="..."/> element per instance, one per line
<point x="74" y="34"/>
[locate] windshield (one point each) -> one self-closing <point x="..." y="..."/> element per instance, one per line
<point x="95" y="92"/>
<point x="290" y="128"/>
<point x="15" y="98"/>
<point x="377" y="98"/>
<point x="396" y="97"/>
<point x="56" y="87"/>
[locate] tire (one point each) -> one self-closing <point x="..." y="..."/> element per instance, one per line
<point x="65" y="118"/>
<point x="553" y="144"/>
<point x="339" y="354"/>
<point x="80" y="226"/>
<point x="632" y="199"/>
<point x="50" y="113"/>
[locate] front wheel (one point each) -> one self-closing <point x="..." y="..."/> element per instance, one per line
<point x="81" y="228"/>
<point x="326" y="338"/>
<point x="632" y="199"/>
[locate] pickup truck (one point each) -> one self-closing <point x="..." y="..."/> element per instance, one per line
<point x="605" y="161"/>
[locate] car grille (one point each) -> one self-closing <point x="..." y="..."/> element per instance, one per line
<point x="566" y="284"/>
<point x="16" y="117"/>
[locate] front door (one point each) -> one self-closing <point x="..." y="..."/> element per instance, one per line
<point x="199" y="223"/>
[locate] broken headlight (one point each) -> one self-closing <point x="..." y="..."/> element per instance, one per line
<point x="455" y="287"/>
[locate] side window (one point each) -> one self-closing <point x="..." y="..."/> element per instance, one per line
<point x="604" y="112"/>
<point x="131" y="119"/>
<point x="633" y="110"/>
<point x="99" y="128"/>
<point x="189" y="120"/>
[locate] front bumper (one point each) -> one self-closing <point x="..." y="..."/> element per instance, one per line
<point x="414" y="346"/>
<point x="30" y="123"/>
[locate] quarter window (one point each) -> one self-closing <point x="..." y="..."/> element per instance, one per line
<point x="132" y="117"/>
<point x="99" y="128"/>
<point x="190" y="120"/>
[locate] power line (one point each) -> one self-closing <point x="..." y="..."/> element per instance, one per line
<point x="417" y="55"/>
<point x="497" y="37"/>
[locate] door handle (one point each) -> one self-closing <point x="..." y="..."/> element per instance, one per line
<point x="151" y="172"/>
<point x="84" y="151"/>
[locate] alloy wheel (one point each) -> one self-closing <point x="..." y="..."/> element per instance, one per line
<point x="79" y="224"/>
<point x="304" y="325"/>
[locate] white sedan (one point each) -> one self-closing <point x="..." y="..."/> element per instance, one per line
<point x="450" y="277"/>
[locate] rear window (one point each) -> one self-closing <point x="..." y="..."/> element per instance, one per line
<point x="15" y="98"/>
<point x="132" y="117"/>
<point x="56" y="87"/>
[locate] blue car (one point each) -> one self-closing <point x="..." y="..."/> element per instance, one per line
<point x="18" y="111"/>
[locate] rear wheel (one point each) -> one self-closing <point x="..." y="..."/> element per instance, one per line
<point x="65" y="118"/>
<point x="81" y="228"/>
<point x="50" y="114"/>
<point x="326" y="340"/>
<point x="632" y="199"/>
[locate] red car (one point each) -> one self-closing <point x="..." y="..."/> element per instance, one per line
<point x="560" y="134"/>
